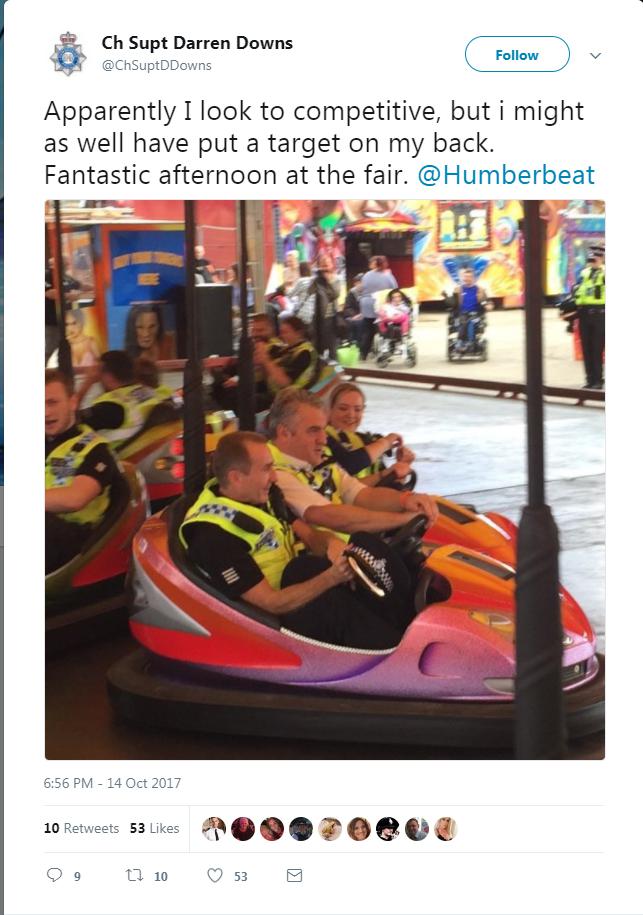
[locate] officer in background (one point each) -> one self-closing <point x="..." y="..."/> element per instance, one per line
<point x="120" y="413"/>
<point x="590" y="301"/>
<point x="79" y="473"/>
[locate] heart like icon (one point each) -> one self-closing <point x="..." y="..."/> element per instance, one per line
<point x="215" y="874"/>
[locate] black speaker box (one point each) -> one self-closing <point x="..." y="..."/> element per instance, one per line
<point x="214" y="320"/>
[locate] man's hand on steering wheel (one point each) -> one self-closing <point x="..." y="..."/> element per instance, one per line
<point x="420" y="503"/>
<point x="399" y="470"/>
<point x="335" y="548"/>
<point x="405" y="455"/>
<point x="340" y="573"/>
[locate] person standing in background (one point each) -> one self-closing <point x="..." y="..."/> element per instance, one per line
<point x="325" y="287"/>
<point x="202" y="265"/>
<point x="379" y="277"/>
<point x="291" y="269"/>
<point x="72" y="290"/>
<point x="590" y="301"/>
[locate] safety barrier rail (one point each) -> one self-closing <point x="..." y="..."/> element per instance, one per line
<point x="509" y="389"/>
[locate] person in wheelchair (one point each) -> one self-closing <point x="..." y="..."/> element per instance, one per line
<point x="468" y="310"/>
<point x="245" y="541"/>
<point x="80" y="472"/>
<point x="394" y="318"/>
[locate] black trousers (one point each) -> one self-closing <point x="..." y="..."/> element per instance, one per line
<point x="592" y="334"/>
<point x="341" y="616"/>
<point x="63" y="541"/>
<point x="325" y="330"/>
<point x="369" y="326"/>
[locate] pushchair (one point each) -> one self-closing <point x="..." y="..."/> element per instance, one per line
<point x="394" y="339"/>
<point x="466" y="334"/>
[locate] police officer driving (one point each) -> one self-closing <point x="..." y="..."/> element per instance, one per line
<point x="245" y="541"/>
<point x="120" y="413"/>
<point x="79" y="472"/>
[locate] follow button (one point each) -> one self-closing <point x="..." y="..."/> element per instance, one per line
<point x="517" y="53"/>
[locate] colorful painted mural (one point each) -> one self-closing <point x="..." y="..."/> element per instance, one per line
<point x="442" y="237"/>
<point x="573" y="226"/>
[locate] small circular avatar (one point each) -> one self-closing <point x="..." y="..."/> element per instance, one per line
<point x="330" y="829"/>
<point x="271" y="829"/>
<point x="359" y="829"/>
<point x="416" y="829"/>
<point x="446" y="829"/>
<point x="387" y="829"/>
<point x="243" y="829"/>
<point x="213" y="829"/>
<point x="300" y="829"/>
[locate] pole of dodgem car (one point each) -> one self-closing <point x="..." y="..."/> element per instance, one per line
<point x="539" y="726"/>
<point x="246" y="369"/>
<point x="64" y="349"/>
<point x="193" y="414"/>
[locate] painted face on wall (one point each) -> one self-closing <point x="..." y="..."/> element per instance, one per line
<point x="147" y="329"/>
<point x="369" y="209"/>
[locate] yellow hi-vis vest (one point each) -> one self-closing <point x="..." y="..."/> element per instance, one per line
<point x="354" y="441"/>
<point x="309" y="376"/>
<point x="61" y="466"/>
<point x="591" y="290"/>
<point x="324" y="479"/>
<point x="137" y="402"/>
<point x="271" y="541"/>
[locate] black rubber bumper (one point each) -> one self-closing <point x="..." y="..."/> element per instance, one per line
<point x="72" y="627"/>
<point x="150" y="693"/>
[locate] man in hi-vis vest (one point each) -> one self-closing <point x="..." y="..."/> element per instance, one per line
<point x="121" y="412"/>
<point x="316" y="488"/>
<point x="589" y="297"/>
<point x="79" y="472"/>
<point x="249" y="546"/>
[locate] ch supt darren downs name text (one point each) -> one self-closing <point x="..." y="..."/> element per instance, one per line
<point x="183" y="43"/>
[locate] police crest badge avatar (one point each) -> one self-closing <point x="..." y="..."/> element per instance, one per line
<point x="68" y="56"/>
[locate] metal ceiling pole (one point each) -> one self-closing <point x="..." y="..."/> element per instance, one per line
<point x="64" y="349"/>
<point x="193" y="412"/>
<point x="540" y="731"/>
<point x="246" y="368"/>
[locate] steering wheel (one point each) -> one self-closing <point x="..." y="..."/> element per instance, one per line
<point x="365" y="574"/>
<point x="372" y="574"/>
<point x="406" y="485"/>
<point x="409" y="533"/>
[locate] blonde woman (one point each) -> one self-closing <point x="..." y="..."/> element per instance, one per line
<point x="445" y="829"/>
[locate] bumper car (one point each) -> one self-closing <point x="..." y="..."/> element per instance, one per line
<point x="85" y="598"/>
<point x="489" y="533"/>
<point x="210" y="664"/>
<point x="157" y="450"/>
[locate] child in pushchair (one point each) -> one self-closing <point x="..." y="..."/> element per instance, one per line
<point x="394" y="326"/>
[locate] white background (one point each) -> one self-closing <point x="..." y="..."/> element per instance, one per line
<point x="344" y="52"/>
